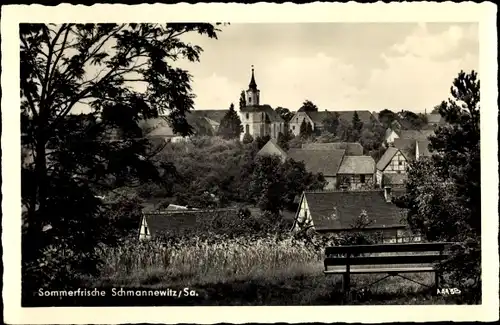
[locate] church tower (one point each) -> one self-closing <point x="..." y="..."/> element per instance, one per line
<point x="253" y="94"/>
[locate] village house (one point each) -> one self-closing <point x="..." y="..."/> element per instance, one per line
<point x="326" y="162"/>
<point x="335" y="212"/>
<point x="334" y="160"/>
<point x="392" y="134"/>
<point x="176" y="220"/>
<point x="272" y="148"/>
<point x="393" y="161"/>
<point x="160" y="128"/>
<point x="434" y="120"/>
<point x="259" y="120"/>
<point x="316" y="119"/>
<point x="351" y="148"/>
<point x="356" y="173"/>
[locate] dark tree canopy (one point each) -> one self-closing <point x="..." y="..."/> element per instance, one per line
<point x="356" y="122"/>
<point x="444" y="193"/>
<point x="331" y="123"/>
<point x="76" y="157"/>
<point x="243" y="100"/>
<point x="284" y="113"/>
<point x="308" y="106"/>
<point x="230" y="125"/>
<point x="386" y="117"/>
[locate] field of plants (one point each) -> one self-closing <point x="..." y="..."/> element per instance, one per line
<point x="272" y="270"/>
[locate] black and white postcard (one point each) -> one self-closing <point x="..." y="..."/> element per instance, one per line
<point x="303" y="160"/>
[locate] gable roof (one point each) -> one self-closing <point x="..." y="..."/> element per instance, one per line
<point x="386" y="158"/>
<point x="270" y="148"/>
<point x="423" y="148"/>
<point x="357" y="165"/>
<point x="337" y="210"/>
<point x="177" y="221"/>
<point x="406" y="146"/>
<point x="415" y="134"/>
<point x="351" y="148"/>
<point x="326" y="162"/>
<point x="160" y="126"/>
<point x="319" y="117"/>
<point x="214" y="114"/>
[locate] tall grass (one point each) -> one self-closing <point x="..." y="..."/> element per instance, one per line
<point x="210" y="259"/>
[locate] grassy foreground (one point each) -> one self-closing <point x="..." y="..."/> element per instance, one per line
<point x="242" y="271"/>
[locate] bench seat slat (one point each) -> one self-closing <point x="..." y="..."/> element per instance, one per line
<point x="395" y="259"/>
<point x="383" y="270"/>
<point x="386" y="248"/>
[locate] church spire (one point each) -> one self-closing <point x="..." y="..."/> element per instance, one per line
<point x="253" y="84"/>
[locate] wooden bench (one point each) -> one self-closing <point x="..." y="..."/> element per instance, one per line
<point x="405" y="258"/>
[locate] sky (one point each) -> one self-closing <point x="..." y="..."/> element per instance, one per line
<point x="337" y="66"/>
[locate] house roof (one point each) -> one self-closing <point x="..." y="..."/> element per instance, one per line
<point x="351" y="148"/>
<point x="160" y="126"/>
<point x="269" y="147"/>
<point x="434" y="118"/>
<point x="423" y="148"/>
<point x="415" y="134"/>
<point x="339" y="209"/>
<point x="270" y="112"/>
<point x="180" y="221"/>
<point x="214" y="114"/>
<point x="326" y="162"/>
<point x="394" y="179"/>
<point x="319" y="117"/>
<point x="386" y="158"/>
<point x="357" y="165"/>
<point x="365" y="116"/>
<point x="406" y="146"/>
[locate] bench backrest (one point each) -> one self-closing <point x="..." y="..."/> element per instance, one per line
<point x="350" y="255"/>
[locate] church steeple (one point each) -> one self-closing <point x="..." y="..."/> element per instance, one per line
<point x="253" y="84"/>
<point x="253" y="94"/>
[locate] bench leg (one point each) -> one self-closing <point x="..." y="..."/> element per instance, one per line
<point x="346" y="285"/>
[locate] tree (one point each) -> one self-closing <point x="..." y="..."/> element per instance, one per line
<point x="275" y="184"/>
<point x="230" y="125"/>
<point x="283" y="141"/>
<point x="284" y="113"/>
<point x="74" y="157"/>
<point x="247" y="138"/>
<point x="309" y="130"/>
<point x="331" y="123"/>
<point x="261" y="141"/>
<point x="308" y="106"/>
<point x="444" y="193"/>
<point x="303" y="129"/>
<point x="356" y="122"/>
<point x="243" y="101"/>
<point x="386" y="117"/>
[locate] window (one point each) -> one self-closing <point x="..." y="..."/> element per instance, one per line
<point x="400" y="163"/>
<point x="247" y="129"/>
<point x="249" y="100"/>
<point x="293" y="127"/>
<point x="145" y="229"/>
<point x="247" y="116"/>
<point x="362" y="178"/>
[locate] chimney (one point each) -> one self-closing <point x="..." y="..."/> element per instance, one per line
<point x="387" y="194"/>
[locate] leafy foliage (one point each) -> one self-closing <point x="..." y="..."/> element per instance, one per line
<point x="284" y="113"/>
<point x="308" y="106"/>
<point x="230" y="125"/>
<point x="275" y="184"/>
<point x="444" y="192"/>
<point x="247" y="138"/>
<point x="76" y="157"/>
<point x="243" y="100"/>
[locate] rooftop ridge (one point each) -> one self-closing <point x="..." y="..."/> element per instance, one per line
<point x="343" y="191"/>
<point x="157" y="212"/>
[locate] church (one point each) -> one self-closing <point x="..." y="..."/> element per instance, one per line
<point x="259" y="120"/>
